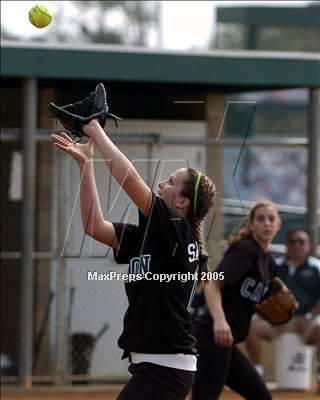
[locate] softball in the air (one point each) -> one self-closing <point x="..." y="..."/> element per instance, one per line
<point x="40" y="16"/>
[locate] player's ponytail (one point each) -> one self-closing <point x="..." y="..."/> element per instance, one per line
<point x="200" y="190"/>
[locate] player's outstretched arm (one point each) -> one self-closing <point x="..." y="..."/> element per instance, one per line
<point x="120" y="167"/>
<point x="92" y="217"/>
<point x="221" y="329"/>
<point x="93" y="221"/>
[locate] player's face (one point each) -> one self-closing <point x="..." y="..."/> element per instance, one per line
<point x="265" y="224"/>
<point x="298" y="245"/>
<point x="169" y="190"/>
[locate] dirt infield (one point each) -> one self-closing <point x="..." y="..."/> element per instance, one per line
<point x="110" y="393"/>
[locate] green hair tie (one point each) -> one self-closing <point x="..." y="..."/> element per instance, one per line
<point x="196" y="189"/>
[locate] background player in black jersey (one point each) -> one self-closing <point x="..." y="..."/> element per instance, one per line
<point x="157" y="325"/>
<point x="230" y="304"/>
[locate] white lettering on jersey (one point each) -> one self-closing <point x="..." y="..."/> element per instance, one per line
<point x="193" y="251"/>
<point x="257" y="294"/>
<point x="246" y="285"/>
<point x="140" y="265"/>
<point x="253" y="290"/>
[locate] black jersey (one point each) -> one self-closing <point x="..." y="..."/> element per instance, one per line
<point x="247" y="273"/>
<point x="157" y="320"/>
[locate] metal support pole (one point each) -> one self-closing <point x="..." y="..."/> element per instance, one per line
<point x="62" y="334"/>
<point x="313" y="167"/>
<point x="252" y="37"/>
<point x="55" y="265"/>
<point x="29" y="165"/>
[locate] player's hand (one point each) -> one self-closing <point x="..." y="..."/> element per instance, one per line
<point x="222" y="333"/>
<point x="81" y="152"/>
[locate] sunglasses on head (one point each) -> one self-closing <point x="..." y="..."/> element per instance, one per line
<point x="296" y="241"/>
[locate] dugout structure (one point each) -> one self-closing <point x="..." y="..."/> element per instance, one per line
<point x="144" y="84"/>
<point x="255" y="23"/>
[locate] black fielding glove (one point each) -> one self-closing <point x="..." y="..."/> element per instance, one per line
<point x="74" y="116"/>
